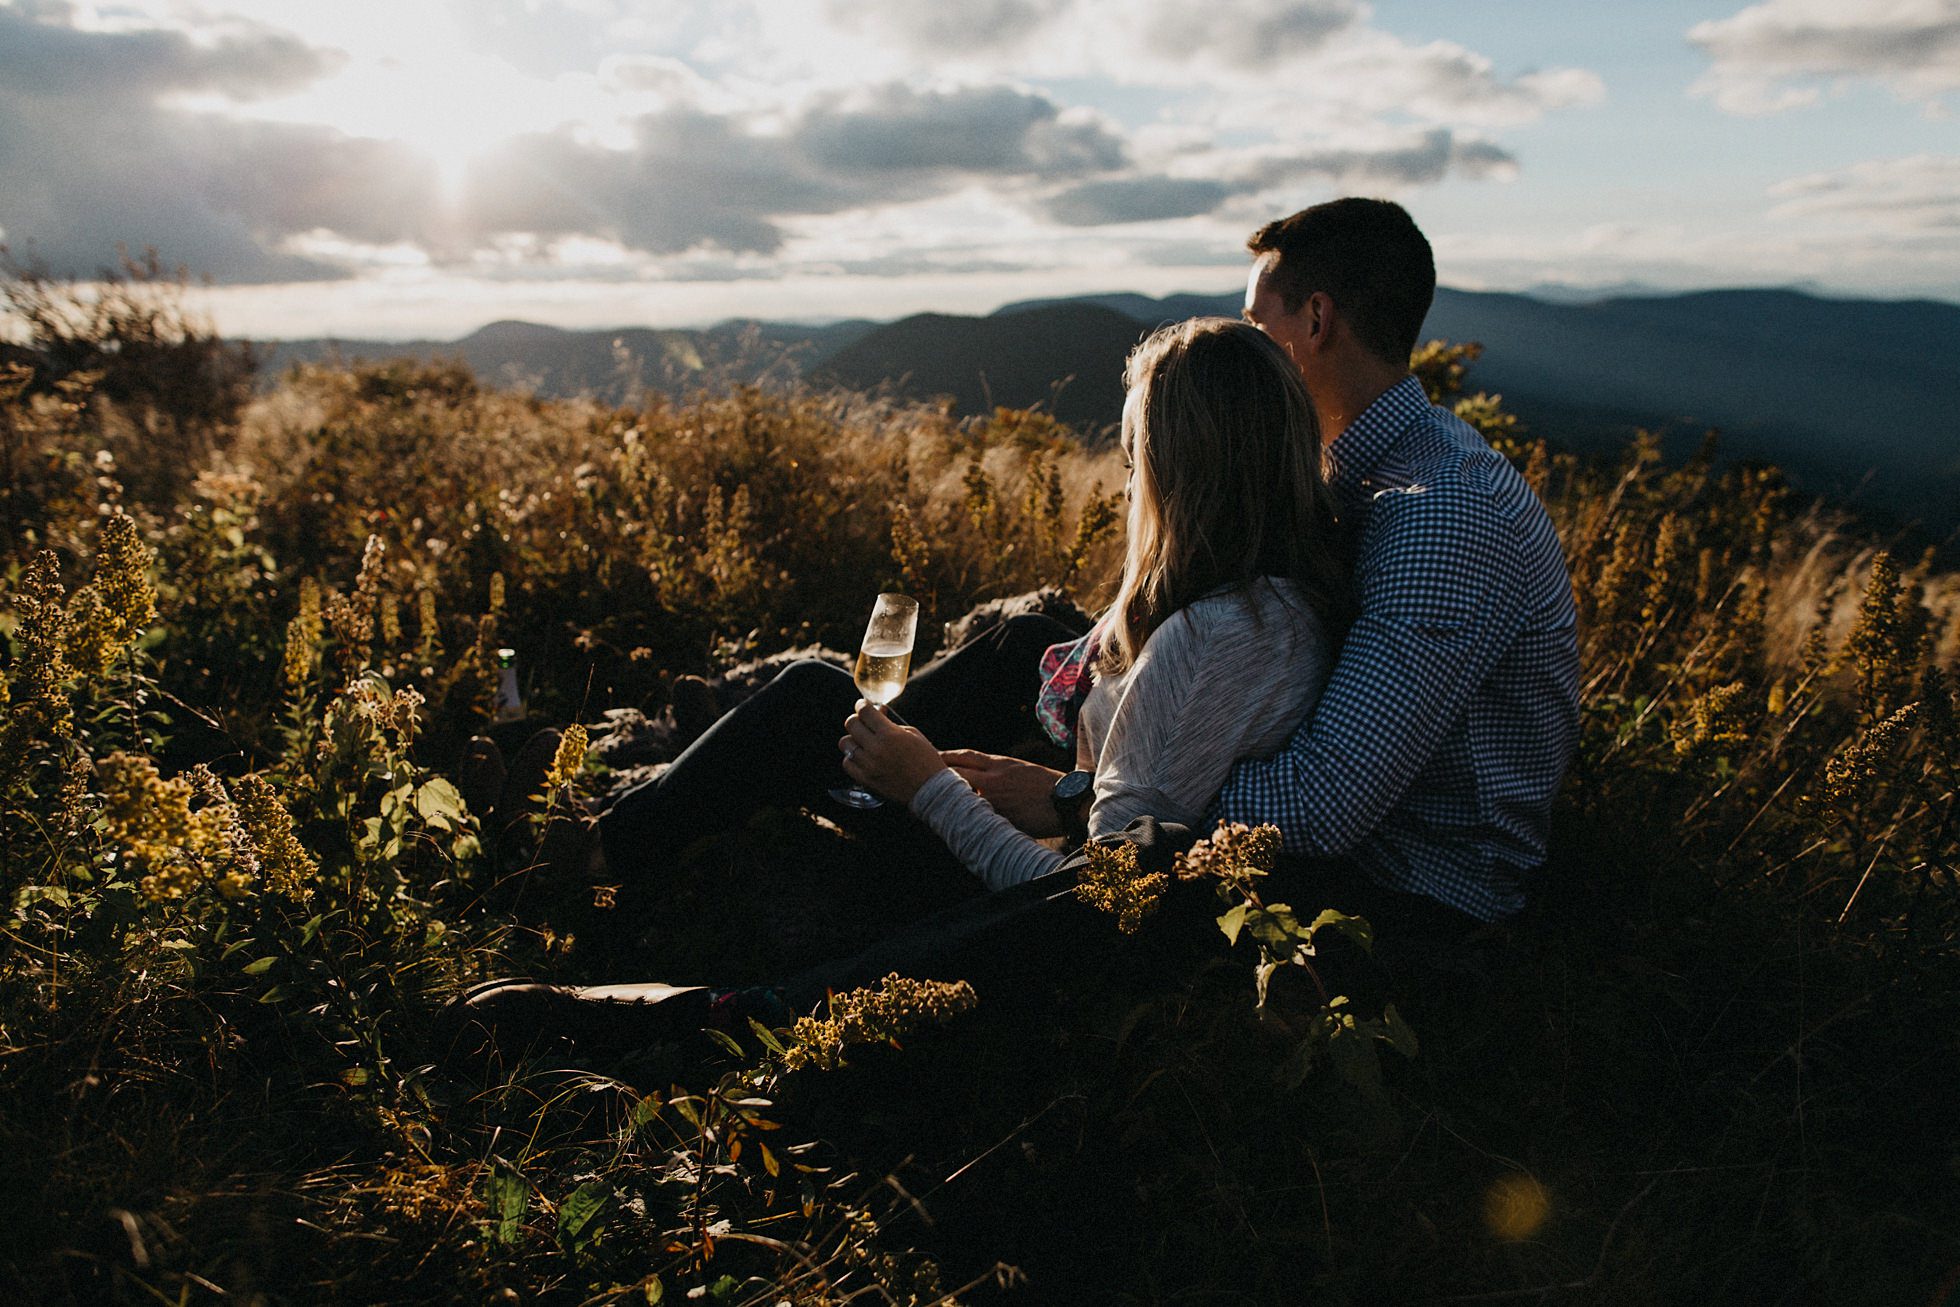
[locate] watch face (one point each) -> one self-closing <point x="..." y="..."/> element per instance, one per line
<point x="1073" y="786"/>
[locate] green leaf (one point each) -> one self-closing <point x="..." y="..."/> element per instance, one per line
<point x="1357" y="929"/>
<point x="1232" y="922"/>
<point x="440" y="804"/>
<point x="259" y="967"/>
<point x="1354" y="1057"/>
<point x="1399" y="1036"/>
<point x="277" y="994"/>
<point x="655" y="1291"/>
<point x="766" y="1035"/>
<point x="1276" y="927"/>
<point x="580" y="1216"/>
<point x="727" y="1041"/>
<point x="506" y="1195"/>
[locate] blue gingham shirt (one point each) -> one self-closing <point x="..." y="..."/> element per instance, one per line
<point x="1432" y="756"/>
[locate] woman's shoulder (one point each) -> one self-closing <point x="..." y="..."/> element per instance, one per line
<point x="1259" y="606"/>
<point x="1258" y="601"/>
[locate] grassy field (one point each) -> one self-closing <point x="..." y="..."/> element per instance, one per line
<point x="247" y="634"/>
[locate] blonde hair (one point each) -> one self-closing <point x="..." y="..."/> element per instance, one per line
<point x="1227" y="481"/>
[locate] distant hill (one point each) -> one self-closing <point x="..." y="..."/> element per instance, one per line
<point x="1066" y="357"/>
<point x="1858" y="399"/>
<point x="614" y="366"/>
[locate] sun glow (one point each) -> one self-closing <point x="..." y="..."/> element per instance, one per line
<point x="423" y="86"/>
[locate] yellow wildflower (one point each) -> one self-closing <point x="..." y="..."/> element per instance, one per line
<point x="1113" y="882"/>
<point x="286" y="865"/>
<point x="391" y="621"/>
<point x="1716" y="719"/>
<point x="430" y="630"/>
<point x="122" y="576"/>
<point x="899" y="1006"/>
<point x="568" y="761"/>
<point x="41" y="668"/>
<point x="92" y="643"/>
<point x="1861" y="767"/>
<point x="151" y="819"/>
<point x="303" y="637"/>
<point x="352" y="616"/>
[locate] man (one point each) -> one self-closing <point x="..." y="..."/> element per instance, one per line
<point x="1432" y="756"/>
<point x="1430" y="762"/>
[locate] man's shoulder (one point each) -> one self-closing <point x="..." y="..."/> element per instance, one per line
<point x="1442" y="475"/>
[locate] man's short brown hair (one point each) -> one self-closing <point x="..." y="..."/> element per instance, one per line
<point x="1368" y="257"/>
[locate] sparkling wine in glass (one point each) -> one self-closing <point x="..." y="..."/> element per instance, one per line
<point x="884" y="661"/>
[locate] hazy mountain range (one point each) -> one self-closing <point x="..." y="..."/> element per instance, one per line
<point x="1858" y="399"/>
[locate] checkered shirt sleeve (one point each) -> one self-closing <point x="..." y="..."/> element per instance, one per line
<point x="1451" y="711"/>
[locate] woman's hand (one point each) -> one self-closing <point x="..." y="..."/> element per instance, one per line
<point x="881" y="755"/>
<point x="1019" y="791"/>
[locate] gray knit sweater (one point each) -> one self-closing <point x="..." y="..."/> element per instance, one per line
<point x="1225" y="678"/>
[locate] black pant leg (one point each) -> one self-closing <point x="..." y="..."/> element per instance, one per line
<point x="982" y="694"/>
<point x="776" y="748"/>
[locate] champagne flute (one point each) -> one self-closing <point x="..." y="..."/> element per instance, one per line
<point x="884" y="661"/>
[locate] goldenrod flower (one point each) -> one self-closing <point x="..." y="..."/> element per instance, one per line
<point x="568" y="761"/>
<point x="93" y="638"/>
<point x="151" y="819"/>
<point x="391" y="621"/>
<point x="429" y="630"/>
<point x="1113" y="882"/>
<point x="122" y="577"/>
<point x="1865" y="764"/>
<point x="40" y="670"/>
<point x="352" y="616"/>
<point x="303" y="636"/>
<point x="1715" y="719"/>
<point x="285" y="864"/>
<point x="899" y="1006"/>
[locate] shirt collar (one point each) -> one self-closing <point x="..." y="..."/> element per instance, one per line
<point x="1359" y="450"/>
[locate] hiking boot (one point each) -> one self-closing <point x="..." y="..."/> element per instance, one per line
<point x="495" y="1025"/>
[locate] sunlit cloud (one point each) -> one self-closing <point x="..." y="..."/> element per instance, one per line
<point x="1784" y="54"/>
<point x="1915" y="201"/>
<point x="507" y="137"/>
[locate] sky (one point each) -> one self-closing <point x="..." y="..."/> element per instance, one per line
<point x="416" y="168"/>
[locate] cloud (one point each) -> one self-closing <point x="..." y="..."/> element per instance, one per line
<point x="95" y="159"/>
<point x="1782" y="54"/>
<point x="1914" y="200"/>
<point x="696" y="179"/>
<point x="932" y="29"/>
<point x="1413" y="160"/>
<point x="1256" y="35"/>
<point x="205" y="142"/>
<point x="1136" y="199"/>
<point x="51" y="60"/>
<point x="995" y="130"/>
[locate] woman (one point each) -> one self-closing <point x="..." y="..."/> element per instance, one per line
<point x="1233" y="591"/>
<point x="1222" y="629"/>
<point x="1220" y="636"/>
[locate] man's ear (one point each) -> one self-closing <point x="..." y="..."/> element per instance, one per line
<point x="1319" y="314"/>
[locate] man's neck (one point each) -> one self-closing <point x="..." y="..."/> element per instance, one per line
<point x="1339" y="399"/>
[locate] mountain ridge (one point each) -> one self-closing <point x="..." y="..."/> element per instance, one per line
<point x="1854" y="398"/>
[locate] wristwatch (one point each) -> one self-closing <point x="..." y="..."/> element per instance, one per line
<point x="1071" y="796"/>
